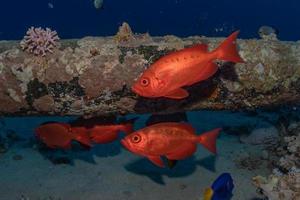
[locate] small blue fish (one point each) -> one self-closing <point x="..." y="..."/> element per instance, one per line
<point x="221" y="189"/>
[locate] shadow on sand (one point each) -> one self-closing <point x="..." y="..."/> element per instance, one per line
<point x="57" y="156"/>
<point x="183" y="168"/>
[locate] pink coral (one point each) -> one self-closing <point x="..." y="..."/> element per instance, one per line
<point x="39" y="41"/>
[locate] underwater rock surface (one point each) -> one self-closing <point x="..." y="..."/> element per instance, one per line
<point x="267" y="135"/>
<point x="284" y="182"/>
<point x="93" y="75"/>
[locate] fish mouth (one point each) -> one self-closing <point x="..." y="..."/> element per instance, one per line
<point x="125" y="144"/>
<point x="139" y="91"/>
<point x="136" y="90"/>
<point x="130" y="148"/>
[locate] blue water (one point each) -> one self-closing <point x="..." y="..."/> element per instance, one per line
<point x="79" y="18"/>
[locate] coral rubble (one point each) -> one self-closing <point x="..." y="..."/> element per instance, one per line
<point x="284" y="183"/>
<point x="279" y="187"/>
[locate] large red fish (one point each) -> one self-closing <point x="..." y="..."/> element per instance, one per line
<point x="60" y="135"/>
<point x="175" y="141"/>
<point x="167" y="76"/>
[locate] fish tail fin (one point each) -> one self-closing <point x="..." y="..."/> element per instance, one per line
<point x="228" y="49"/>
<point x="208" y="194"/>
<point x="208" y="139"/>
<point x="81" y="135"/>
<point x="127" y="125"/>
<point x="127" y="128"/>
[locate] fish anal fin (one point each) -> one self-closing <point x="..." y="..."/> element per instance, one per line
<point x="156" y="160"/>
<point x="183" y="151"/>
<point x="177" y="94"/>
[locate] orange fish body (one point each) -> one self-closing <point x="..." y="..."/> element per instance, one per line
<point x="100" y="131"/>
<point x="102" y="134"/>
<point x="81" y="135"/>
<point x="167" y="76"/>
<point x="175" y="141"/>
<point x="59" y="135"/>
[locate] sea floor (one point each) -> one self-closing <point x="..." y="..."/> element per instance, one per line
<point x="108" y="172"/>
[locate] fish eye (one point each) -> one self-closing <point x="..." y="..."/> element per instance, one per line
<point x="136" y="138"/>
<point x="145" y="82"/>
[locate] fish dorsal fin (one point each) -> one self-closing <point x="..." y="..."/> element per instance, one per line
<point x="156" y="160"/>
<point x="178" y="125"/>
<point x="199" y="47"/>
<point x="177" y="94"/>
<point x="188" y="127"/>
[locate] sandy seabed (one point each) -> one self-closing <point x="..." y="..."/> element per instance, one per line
<point x="109" y="172"/>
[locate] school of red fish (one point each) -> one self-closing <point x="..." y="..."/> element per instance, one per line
<point x="164" y="78"/>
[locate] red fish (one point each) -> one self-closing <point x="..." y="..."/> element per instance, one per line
<point x="102" y="130"/>
<point x="60" y="135"/>
<point x="175" y="141"/>
<point x="101" y="134"/>
<point x="167" y="76"/>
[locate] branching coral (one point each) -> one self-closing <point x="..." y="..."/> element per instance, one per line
<point x="39" y="41"/>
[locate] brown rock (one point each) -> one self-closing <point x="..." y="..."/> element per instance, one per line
<point x="56" y="72"/>
<point x="124" y="34"/>
<point x="44" y="103"/>
<point x="11" y="97"/>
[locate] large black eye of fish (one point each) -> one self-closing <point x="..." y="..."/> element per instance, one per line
<point x="136" y="138"/>
<point x="145" y="82"/>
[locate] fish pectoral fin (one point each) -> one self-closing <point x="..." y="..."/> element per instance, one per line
<point x="156" y="160"/>
<point x="171" y="163"/>
<point x="177" y="94"/>
<point x="183" y="151"/>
